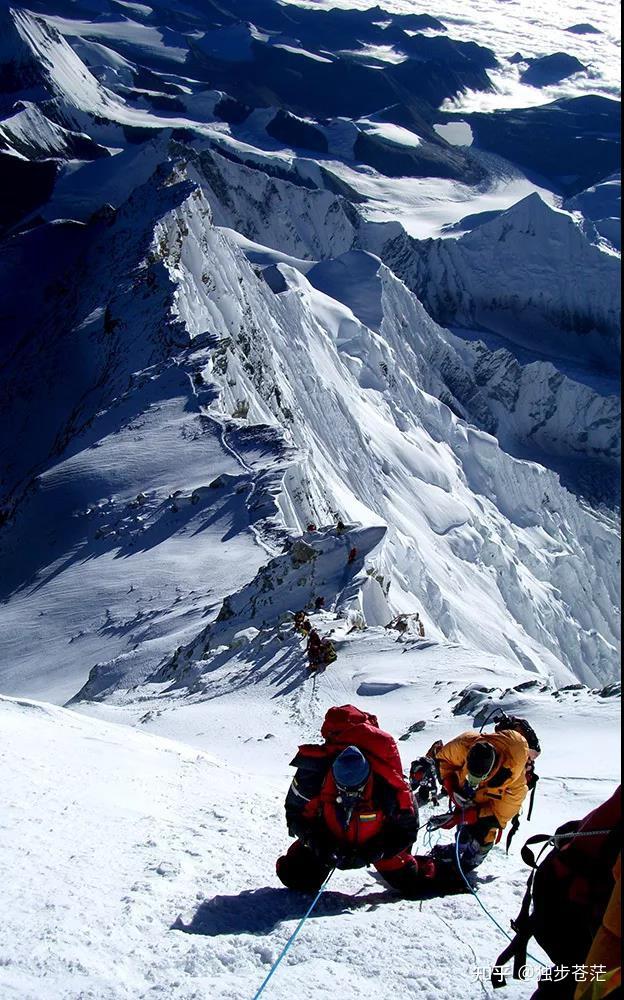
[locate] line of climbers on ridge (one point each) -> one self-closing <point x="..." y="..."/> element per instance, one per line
<point x="321" y="651"/>
<point x="349" y="806"/>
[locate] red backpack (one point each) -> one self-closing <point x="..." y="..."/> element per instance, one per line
<point x="346" y="725"/>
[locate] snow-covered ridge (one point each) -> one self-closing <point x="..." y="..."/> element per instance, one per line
<point x="532" y="267"/>
<point x="285" y="355"/>
<point x="362" y="437"/>
<point x="520" y="404"/>
<point x="33" y="42"/>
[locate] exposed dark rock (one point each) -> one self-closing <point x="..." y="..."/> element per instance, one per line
<point x="136" y="134"/>
<point x="24" y="185"/>
<point x="340" y="85"/>
<point x="583" y="29"/>
<point x="106" y="213"/>
<point x="416" y="728"/>
<point x="302" y="553"/>
<point x="293" y="131"/>
<point x="166" y="102"/>
<point x="231" y="111"/>
<point x="551" y="69"/>
<point x="471" y="699"/>
<point x="572" y="143"/>
<point x="424" y="160"/>
<point x="611" y="690"/>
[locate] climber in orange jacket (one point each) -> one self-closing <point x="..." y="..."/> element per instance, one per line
<point x="485" y="778"/>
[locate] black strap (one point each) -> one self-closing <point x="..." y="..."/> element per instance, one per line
<point x="515" y="824"/>
<point x="517" y="947"/>
<point x="527" y="854"/>
<point x="534" y="781"/>
<point x="523" y="924"/>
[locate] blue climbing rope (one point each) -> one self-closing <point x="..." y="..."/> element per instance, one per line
<point x="292" y="937"/>
<point x="480" y="901"/>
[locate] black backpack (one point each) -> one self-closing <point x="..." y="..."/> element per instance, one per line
<point x="566" y="893"/>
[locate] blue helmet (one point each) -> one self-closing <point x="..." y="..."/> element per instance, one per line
<point x="350" y="768"/>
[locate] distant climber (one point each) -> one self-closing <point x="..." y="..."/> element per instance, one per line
<point x="353" y="552"/>
<point x="349" y="806"/>
<point x="321" y="651"/>
<point x="328" y="652"/>
<point x="301" y="622"/>
<point x="340" y="526"/>
<point x="319" y="603"/>
<point x="484" y="776"/>
<point x="314" y="650"/>
<point x="421" y="628"/>
<point x="311" y="526"/>
<point x="399" y="624"/>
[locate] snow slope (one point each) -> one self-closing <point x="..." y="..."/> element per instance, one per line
<point x="308" y="412"/>
<point x="220" y="337"/>
<point x="106" y="876"/>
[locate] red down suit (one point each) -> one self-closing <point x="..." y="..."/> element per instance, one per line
<point x="379" y="828"/>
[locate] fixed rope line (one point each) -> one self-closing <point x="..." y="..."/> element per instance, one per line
<point x="482" y="904"/>
<point x="292" y="937"/>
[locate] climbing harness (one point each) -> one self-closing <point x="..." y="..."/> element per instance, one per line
<point x="292" y="937"/>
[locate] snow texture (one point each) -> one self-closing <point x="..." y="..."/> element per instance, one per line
<point x="267" y="339"/>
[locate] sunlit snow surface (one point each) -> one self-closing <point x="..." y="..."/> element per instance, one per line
<point x="531" y="27"/>
<point x="305" y="379"/>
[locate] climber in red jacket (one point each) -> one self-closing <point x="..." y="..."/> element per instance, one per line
<point x="349" y="806"/>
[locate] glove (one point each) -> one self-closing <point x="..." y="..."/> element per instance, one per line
<point x="443" y="821"/>
<point x="347" y="861"/>
<point x="463" y="796"/>
<point x="321" y="848"/>
<point x="449" y="820"/>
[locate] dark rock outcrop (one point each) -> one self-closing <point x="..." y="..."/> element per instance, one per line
<point x="551" y="69"/>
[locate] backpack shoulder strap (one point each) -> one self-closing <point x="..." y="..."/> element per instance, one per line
<point x="523" y="924"/>
<point x="517" y="947"/>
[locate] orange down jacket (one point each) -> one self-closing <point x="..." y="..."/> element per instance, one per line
<point x="501" y="795"/>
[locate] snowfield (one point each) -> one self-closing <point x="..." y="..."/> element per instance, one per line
<point x="149" y="868"/>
